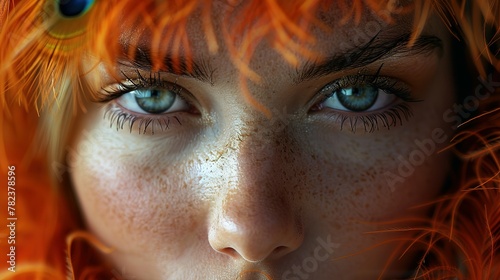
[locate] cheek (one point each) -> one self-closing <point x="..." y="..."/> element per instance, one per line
<point x="131" y="199"/>
<point x="356" y="184"/>
<point x="370" y="177"/>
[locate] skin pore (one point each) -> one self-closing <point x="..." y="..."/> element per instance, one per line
<point x="226" y="193"/>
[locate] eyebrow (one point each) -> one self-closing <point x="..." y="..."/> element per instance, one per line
<point x="377" y="48"/>
<point x="200" y="70"/>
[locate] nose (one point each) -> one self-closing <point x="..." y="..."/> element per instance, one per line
<point x="254" y="218"/>
<point x="247" y="228"/>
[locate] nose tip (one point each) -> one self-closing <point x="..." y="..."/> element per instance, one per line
<point x="264" y="241"/>
<point x="255" y="232"/>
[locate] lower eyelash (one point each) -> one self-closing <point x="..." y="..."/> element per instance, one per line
<point x="371" y="122"/>
<point x="120" y="118"/>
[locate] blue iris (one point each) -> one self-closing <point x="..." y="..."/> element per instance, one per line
<point x="155" y="101"/>
<point x="74" y="8"/>
<point x="358" y="98"/>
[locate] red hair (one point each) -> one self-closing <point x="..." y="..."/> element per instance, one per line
<point x="39" y="55"/>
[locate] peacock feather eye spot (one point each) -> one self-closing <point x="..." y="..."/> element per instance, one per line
<point x="74" y="8"/>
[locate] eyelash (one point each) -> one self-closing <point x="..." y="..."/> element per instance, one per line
<point x="371" y="121"/>
<point x="119" y="117"/>
<point x="154" y="81"/>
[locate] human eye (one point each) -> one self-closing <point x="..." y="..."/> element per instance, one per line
<point x="147" y="103"/>
<point x="367" y="101"/>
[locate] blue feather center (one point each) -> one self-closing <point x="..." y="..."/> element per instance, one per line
<point x="74" y="8"/>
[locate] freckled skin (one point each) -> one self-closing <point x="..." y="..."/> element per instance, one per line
<point x="230" y="191"/>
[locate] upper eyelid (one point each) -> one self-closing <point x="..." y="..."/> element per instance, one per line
<point x="358" y="79"/>
<point x="129" y="83"/>
<point x="155" y="79"/>
<point x="202" y="69"/>
<point x="403" y="92"/>
<point x="163" y="85"/>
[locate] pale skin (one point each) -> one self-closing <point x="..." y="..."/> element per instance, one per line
<point x="225" y="192"/>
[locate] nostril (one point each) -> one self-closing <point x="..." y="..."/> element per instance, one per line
<point x="230" y="252"/>
<point x="279" y="251"/>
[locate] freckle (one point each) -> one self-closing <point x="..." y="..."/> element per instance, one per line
<point x="357" y="192"/>
<point x="336" y="225"/>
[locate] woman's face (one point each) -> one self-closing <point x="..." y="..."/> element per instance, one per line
<point x="222" y="191"/>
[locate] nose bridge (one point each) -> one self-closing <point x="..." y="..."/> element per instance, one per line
<point x="258" y="149"/>
<point x="261" y="186"/>
<point x="262" y="146"/>
<point x="248" y="151"/>
<point x="258" y="154"/>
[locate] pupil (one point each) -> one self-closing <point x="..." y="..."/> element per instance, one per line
<point x="73" y="8"/>
<point x="155" y="94"/>
<point x="356" y="92"/>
